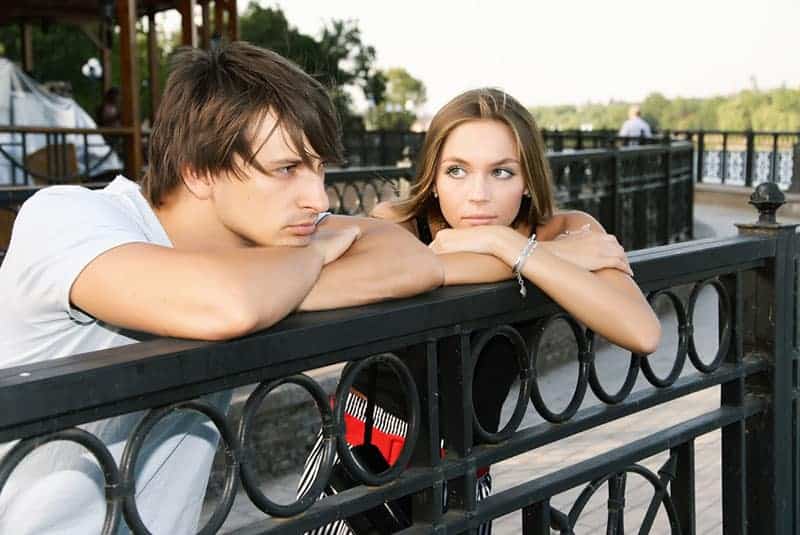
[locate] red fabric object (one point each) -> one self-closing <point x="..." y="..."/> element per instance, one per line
<point x="390" y="446"/>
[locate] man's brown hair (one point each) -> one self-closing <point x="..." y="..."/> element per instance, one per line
<point x="214" y="102"/>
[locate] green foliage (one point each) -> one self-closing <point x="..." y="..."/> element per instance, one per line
<point x="339" y="59"/>
<point x="59" y="52"/>
<point x="775" y="109"/>
<point x="403" y="95"/>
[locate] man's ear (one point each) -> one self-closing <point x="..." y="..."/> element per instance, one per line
<point x="200" y="185"/>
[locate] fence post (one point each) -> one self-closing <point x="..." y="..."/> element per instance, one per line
<point x="768" y="331"/>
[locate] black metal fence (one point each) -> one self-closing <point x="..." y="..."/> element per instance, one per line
<point x="44" y="156"/>
<point x="643" y="194"/>
<point x="434" y="344"/>
<point x="746" y="158"/>
<point x="388" y="147"/>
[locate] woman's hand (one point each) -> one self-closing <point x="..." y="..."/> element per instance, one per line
<point x="481" y="239"/>
<point x="590" y="250"/>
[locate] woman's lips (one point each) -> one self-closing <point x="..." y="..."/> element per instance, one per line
<point x="478" y="219"/>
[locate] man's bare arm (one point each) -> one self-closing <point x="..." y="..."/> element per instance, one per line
<point x="386" y="262"/>
<point x="204" y="295"/>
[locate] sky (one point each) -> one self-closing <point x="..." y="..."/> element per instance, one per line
<point x="571" y="51"/>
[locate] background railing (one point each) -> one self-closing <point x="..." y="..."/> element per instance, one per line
<point x="32" y="155"/>
<point x="434" y="344"/>
<point x="746" y="158"/>
<point x="642" y="194"/>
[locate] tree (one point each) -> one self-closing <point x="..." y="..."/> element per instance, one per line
<point x="59" y="51"/>
<point x="403" y="97"/>
<point x="339" y="59"/>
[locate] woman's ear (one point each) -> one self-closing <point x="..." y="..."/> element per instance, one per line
<point x="435" y="193"/>
<point x="526" y="193"/>
<point x="200" y="185"/>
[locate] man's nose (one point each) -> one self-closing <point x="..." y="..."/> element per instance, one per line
<point x="314" y="195"/>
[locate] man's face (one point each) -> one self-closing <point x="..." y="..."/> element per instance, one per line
<point x="277" y="207"/>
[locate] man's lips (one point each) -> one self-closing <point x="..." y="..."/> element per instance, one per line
<point x="303" y="229"/>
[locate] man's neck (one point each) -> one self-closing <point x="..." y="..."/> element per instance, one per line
<point x="192" y="224"/>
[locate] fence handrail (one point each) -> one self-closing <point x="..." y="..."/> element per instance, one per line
<point x="167" y="367"/>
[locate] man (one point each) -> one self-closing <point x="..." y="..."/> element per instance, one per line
<point x="635" y="126"/>
<point x="223" y="239"/>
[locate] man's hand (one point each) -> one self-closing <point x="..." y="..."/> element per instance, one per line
<point x="332" y="244"/>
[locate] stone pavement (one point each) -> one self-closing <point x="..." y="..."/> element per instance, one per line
<point x="557" y="387"/>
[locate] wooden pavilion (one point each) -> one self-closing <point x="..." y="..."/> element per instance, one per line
<point x="97" y="18"/>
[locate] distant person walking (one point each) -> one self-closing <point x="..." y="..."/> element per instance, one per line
<point x="635" y="126"/>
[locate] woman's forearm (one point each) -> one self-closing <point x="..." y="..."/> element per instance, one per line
<point x="607" y="301"/>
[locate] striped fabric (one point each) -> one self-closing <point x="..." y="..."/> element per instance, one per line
<point x="356" y="407"/>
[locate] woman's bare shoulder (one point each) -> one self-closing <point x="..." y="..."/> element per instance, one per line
<point x="387" y="210"/>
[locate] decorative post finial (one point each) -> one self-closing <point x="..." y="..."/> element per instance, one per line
<point x="767" y="198"/>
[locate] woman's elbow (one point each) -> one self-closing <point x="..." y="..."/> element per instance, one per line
<point x="648" y="337"/>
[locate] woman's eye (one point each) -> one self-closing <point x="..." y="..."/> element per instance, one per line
<point x="456" y="172"/>
<point x="503" y="173"/>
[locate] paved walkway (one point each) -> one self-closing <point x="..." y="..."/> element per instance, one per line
<point x="558" y="385"/>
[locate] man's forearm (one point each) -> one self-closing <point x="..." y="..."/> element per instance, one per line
<point x="387" y="262"/>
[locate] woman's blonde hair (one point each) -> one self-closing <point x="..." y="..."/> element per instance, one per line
<point x="484" y="104"/>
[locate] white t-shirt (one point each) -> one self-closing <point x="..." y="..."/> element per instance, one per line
<point x="636" y="127"/>
<point x="58" y="488"/>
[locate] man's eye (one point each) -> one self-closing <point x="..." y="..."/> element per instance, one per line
<point x="456" y="172"/>
<point x="502" y="173"/>
<point x="287" y="170"/>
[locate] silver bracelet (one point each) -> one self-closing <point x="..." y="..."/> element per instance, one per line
<point x="516" y="269"/>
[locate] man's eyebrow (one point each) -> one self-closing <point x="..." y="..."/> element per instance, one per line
<point x="284" y="161"/>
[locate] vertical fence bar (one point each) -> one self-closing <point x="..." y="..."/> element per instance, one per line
<point x="773" y="163"/>
<point x="724" y="157"/>
<point x="701" y="148"/>
<point x="750" y="158"/>
<point x="456" y="419"/>
<point x="682" y="487"/>
<point x="734" y="482"/>
<point x="86" y="156"/>
<point x="668" y="201"/>
<point x="768" y="331"/>
<point x="536" y="519"/>
<point x="426" y="506"/>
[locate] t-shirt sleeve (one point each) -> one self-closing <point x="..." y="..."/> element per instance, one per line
<point x="57" y="233"/>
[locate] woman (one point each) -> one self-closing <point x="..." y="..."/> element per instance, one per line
<point x="483" y="189"/>
<point x="483" y="202"/>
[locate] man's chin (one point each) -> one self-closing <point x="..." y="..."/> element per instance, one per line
<point x="294" y="241"/>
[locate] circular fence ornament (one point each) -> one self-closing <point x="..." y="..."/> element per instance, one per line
<point x="524" y="366"/>
<point x="248" y="473"/>
<point x="725" y="320"/>
<point x="584" y="359"/>
<point x="349" y="375"/>
<point x="683" y="335"/>
<point x="134" y="446"/>
<point x="594" y="379"/>
<point x="113" y="480"/>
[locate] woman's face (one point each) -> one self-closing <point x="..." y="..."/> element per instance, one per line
<point x="479" y="178"/>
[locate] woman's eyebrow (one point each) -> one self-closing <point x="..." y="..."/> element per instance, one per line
<point x="506" y="160"/>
